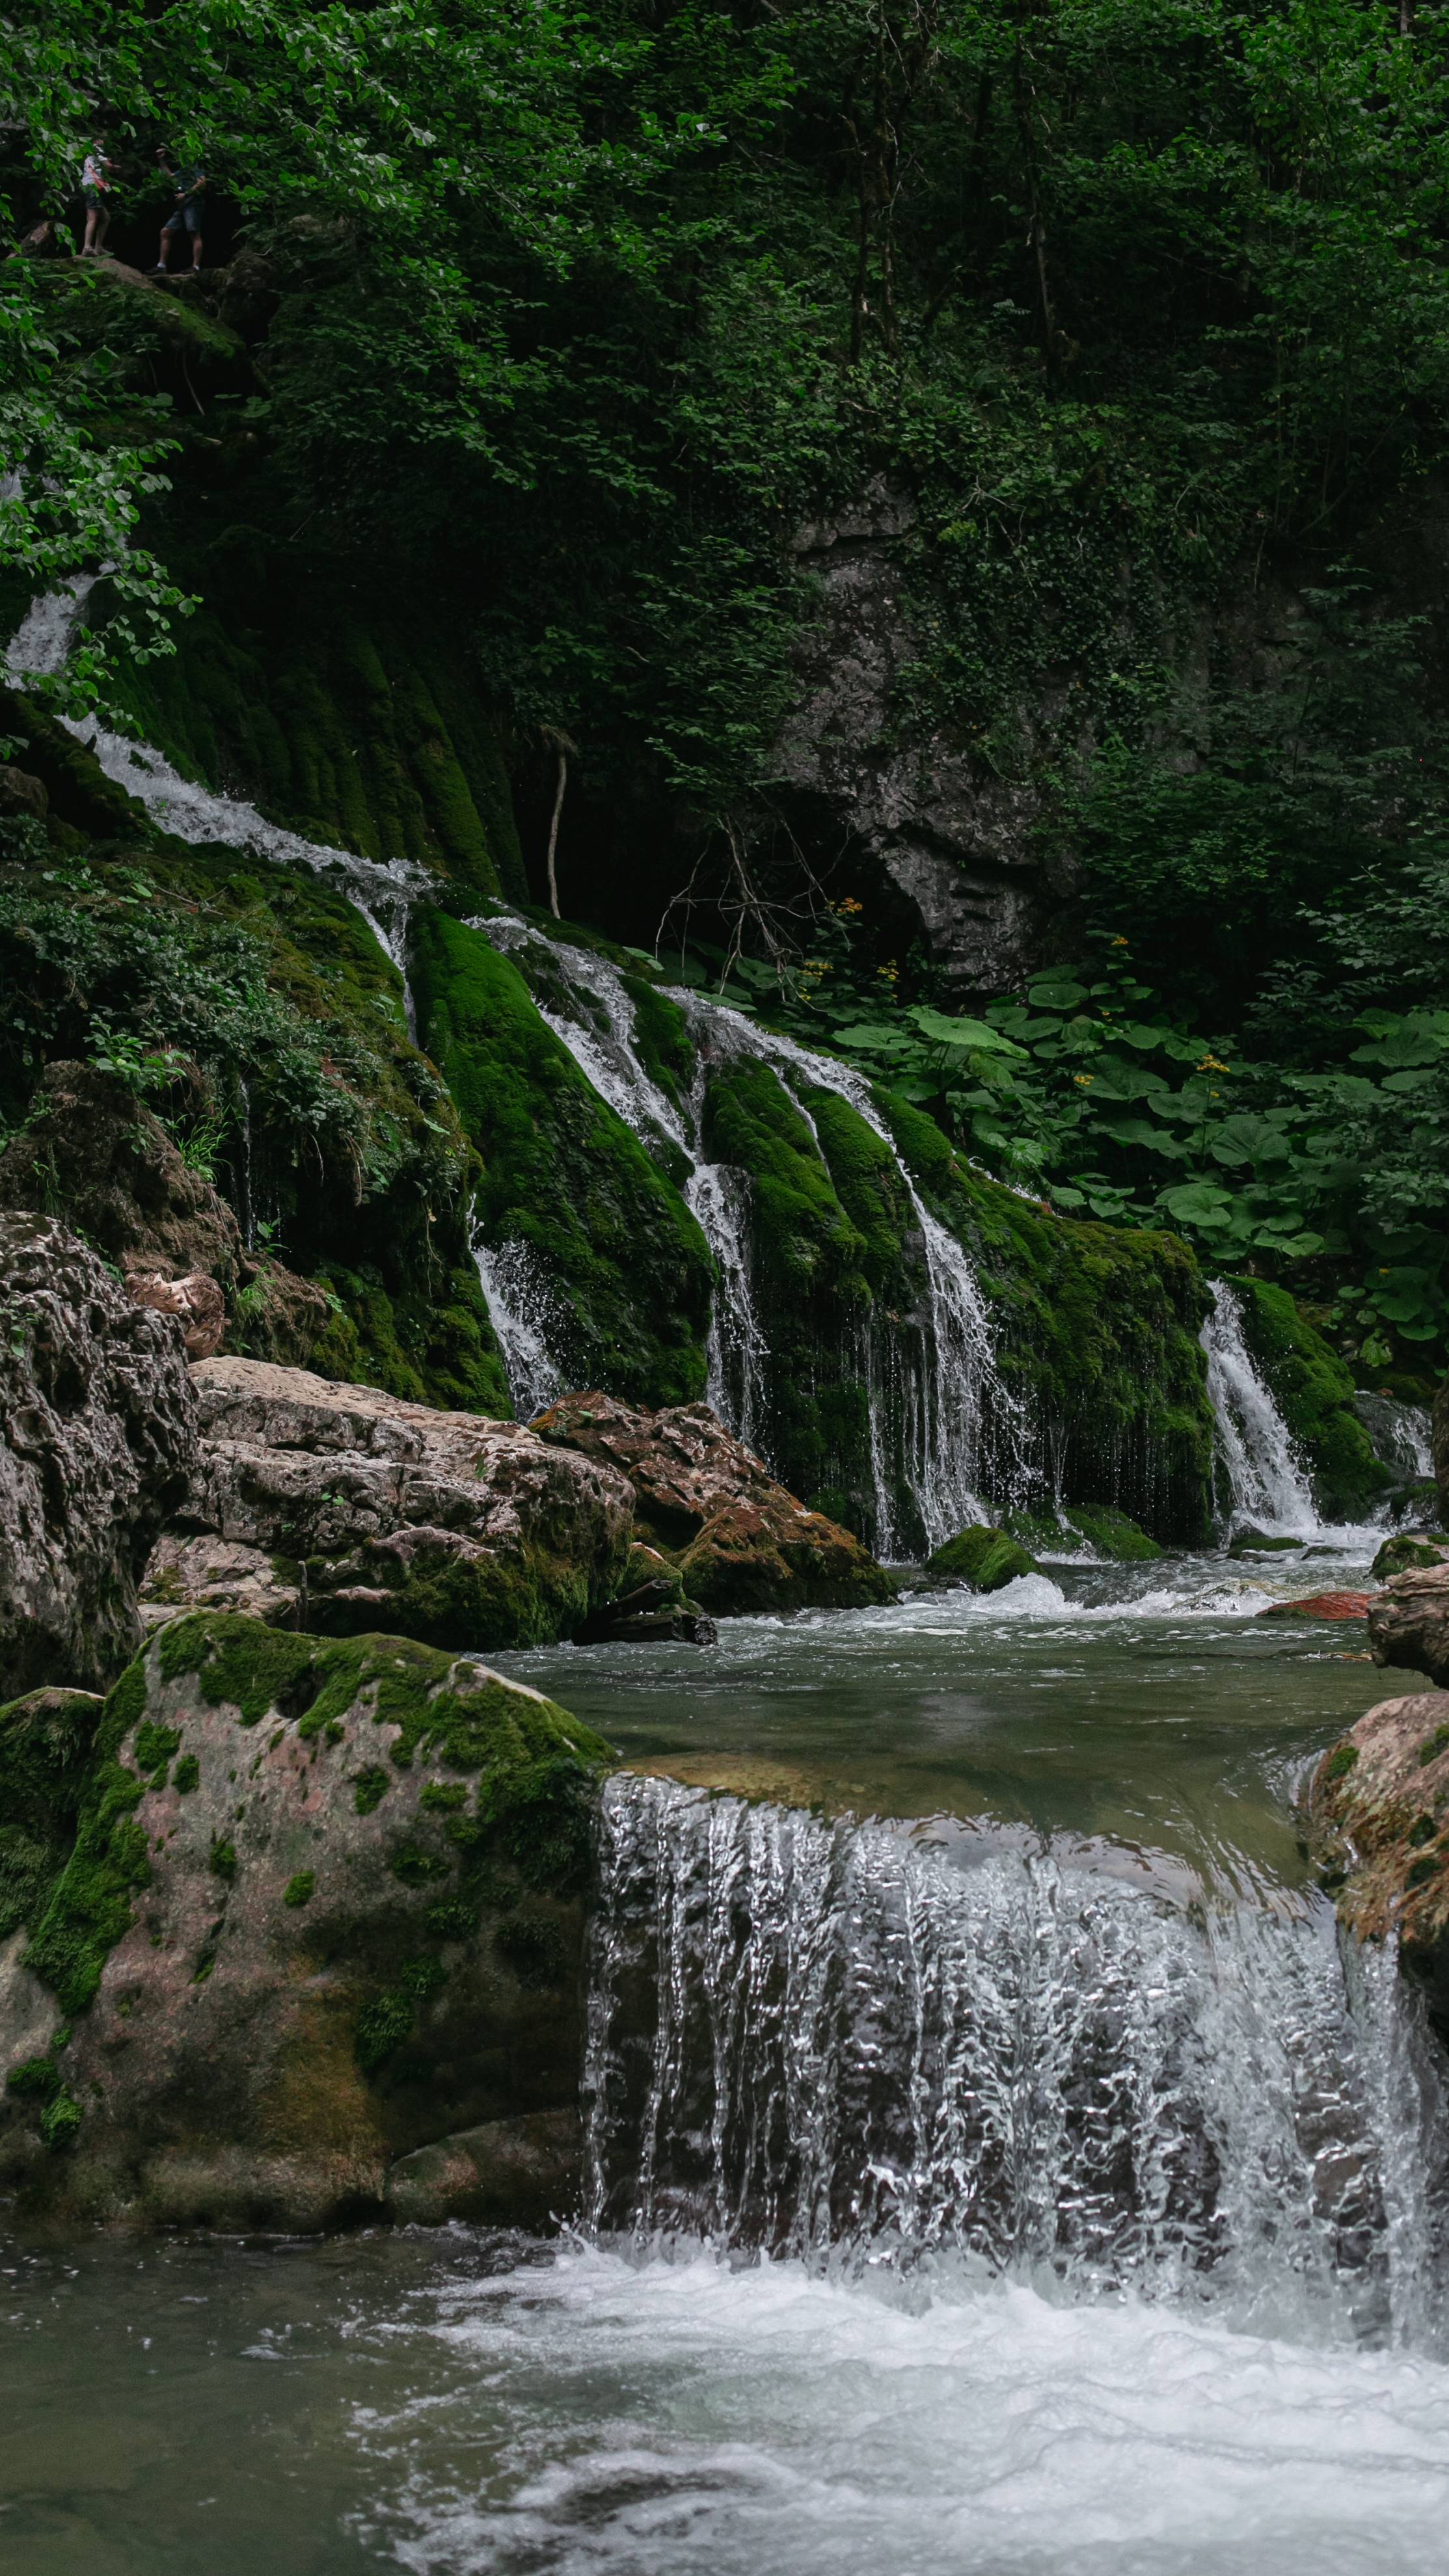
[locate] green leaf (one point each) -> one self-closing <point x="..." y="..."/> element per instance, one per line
<point x="1064" y="995"/>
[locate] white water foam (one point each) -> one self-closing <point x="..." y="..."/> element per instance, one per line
<point x="1268" y="1480"/>
<point x="692" y="2418"/>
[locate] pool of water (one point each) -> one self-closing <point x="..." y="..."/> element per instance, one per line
<point x="457" y="2402"/>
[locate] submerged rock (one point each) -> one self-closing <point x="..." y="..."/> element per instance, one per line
<point x="738" y="1540"/>
<point x="1256" y="1542"/>
<point x="1320" y="1605"/>
<point x="1409" y="1622"/>
<point x="1380" y="1803"/>
<point x="352" y="1509"/>
<point x="1085" y="1529"/>
<point x="985" y="1560"/>
<point x="286" y="1911"/>
<point x="100" y="1439"/>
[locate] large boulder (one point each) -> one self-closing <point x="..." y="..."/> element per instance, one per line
<point x="1408" y="1622"/>
<point x="294" y="1910"/>
<point x="344" y="1509"/>
<point x="981" y="1559"/>
<point x="100" y="1440"/>
<point x="1379" y="1802"/>
<point x="703" y="1501"/>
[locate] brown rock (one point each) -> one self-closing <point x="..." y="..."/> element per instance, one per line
<point x="1321" y="1605"/>
<point x="523" y="2172"/>
<point x="450" y="1527"/>
<point x="739" y="1539"/>
<point x="194" y="1299"/>
<point x="1380" y="1802"/>
<point x="21" y="793"/>
<point x="99" y="1423"/>
<point x="1441" y="1448"/>
<point x="96" y="1153"/>
<point x="1409" y="1622"/>
<point x="211" y="1573"/>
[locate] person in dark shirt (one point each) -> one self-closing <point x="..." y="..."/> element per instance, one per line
<point x="189" y="185"/>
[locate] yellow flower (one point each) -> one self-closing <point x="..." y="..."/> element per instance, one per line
<point x="1084" y="1079"/>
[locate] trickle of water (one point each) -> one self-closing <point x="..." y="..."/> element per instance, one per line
<point x="831" y="2039"/>
<point x="522" y="1308"/>
<point x="1267" y="1480"/>
<point x="383" y="891"/>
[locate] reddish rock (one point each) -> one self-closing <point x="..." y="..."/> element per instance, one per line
<point x="1380" y="1802"/>
<point x="1321" y="1605"/>
<point x="740" y="1541"/>
<point x="195" y="1300"/>
<point x="1409" y="1622"/>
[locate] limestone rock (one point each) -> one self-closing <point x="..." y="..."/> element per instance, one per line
<point x="449" y="1527"/>
<point x="211" y="1573"/>
<point x="740" y="1541"/>
<point x="1409" y="1622"/>
<point x="523" y="2172"/>
<point x="320" y="1906"/>
<point x="99" y="1423"/>
<point x="195" y="1300"/>
<point x="984" y="1560"/>
<point x="1380" y="1804"/>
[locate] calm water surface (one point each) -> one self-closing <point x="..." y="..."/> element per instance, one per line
<point x="458" y="2402"/>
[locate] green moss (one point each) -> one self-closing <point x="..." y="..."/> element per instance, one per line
<point x="1340" y="1762"/>
<point x="187" y="1775"/>
<point x="1097" y="1334"/>
<point x="46" y="1742"/>
<point x="1405" y="1554"/>
<point x="1419" y="1872"/>
<point x="222" y="1861"/>
<point x="382" y="2026"/>
<point x="89" y="1905"/>
<point x="298" y="1890"/>
<point x="1421" y="1831"/>
<point x="34" y="2080"/>
<point x="155" y="1745"/>
<point x="985" y="1559"/>
<point x="628" y="1269"/>
<point x="1095" y="1529"/>
<point x="534" y="1950"/>
<point x="414" y="1867"/>
<point x="1432" y="1746"/>
<point x="442" y="1797"/>
<point x="1314" y="1394"/>
<point x="370" y="1788"/>
<point x="60" y="2120"/>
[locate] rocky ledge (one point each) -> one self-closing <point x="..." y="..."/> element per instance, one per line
<point x="1408" y="1621"/>
<point x="290" y="1934"/>
<point x="1379" y="1803"/>
<point x="709" y="1511"/>
<point x="338" y="1508"/>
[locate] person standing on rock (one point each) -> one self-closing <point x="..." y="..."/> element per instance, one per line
<point x="185" y="216"/>
<point x="96" y="185"/>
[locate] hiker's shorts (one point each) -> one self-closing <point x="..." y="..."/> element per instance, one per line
<point x="186" y="218"/>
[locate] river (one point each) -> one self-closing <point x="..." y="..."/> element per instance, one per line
<point x="996" y="2166"/>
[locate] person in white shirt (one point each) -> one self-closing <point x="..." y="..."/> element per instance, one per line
<point x="96" y="189"/>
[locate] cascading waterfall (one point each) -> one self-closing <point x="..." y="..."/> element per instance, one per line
<point x="383" y="891"/>
<point x="1268" y="1483"/>
<point x="521" y="1307"/>
<point x="818" y="2038"/>
<point x="948" y="1387"/>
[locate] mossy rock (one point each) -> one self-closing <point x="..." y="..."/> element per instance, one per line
<point x="1091" y="1529"/>
<point x="985" y="1560"/>
<point x="319" y="1903"/>
<point x="46" y="1743"/>
<point x="1097" y="1335"/>
<point x="1403" y="1554"/>
<point x="1255" y="1542"/>
<point x="628" y="1269"/>
<point x="1314" y="1393"/>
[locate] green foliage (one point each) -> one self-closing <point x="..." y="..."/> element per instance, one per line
<point x="1340" y="1762"/>
<point x="35" y="2079"/>
<point x="299" y="1888"/>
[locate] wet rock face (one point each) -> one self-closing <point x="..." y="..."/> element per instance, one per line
<point x="1380" y="1804"/>
<point x="195" y="1300"/>
<point x="308" y="1908"/>
<point x="346" y="1509"/>
<point x="1441" y="1448"/>
<point x="1409" y="1622"/>
<point x="706" y="1504"/>
<point x="100" y="1440"/>
<point x="955" y="840"/>
<point x="93" y="1148"/>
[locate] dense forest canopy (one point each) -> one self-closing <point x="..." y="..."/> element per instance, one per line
<point x="575" y="315"/>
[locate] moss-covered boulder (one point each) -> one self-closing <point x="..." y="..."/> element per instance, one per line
<point x="1379" y="1806"/>
<point x="283" y="1912"/>
<point x="706" y="1507"/>
<point x="1095" y="1530"/>
<point x="629" y="1273"/>
<point x="1408" y="1551"/>
<point x="1314" y="1393"/>
<point x="1097" y="1338"/>
<point x="984" y="1560"/>
<point x="346" y="1507"/>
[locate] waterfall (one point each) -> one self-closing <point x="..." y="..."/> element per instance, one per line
<point x="1268" y="1482"/>
<point x="521" y="1307"/>
<point x="809" y="2037"/>
<point x="945" y="1392"/>
<point x="382" y="890"/>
